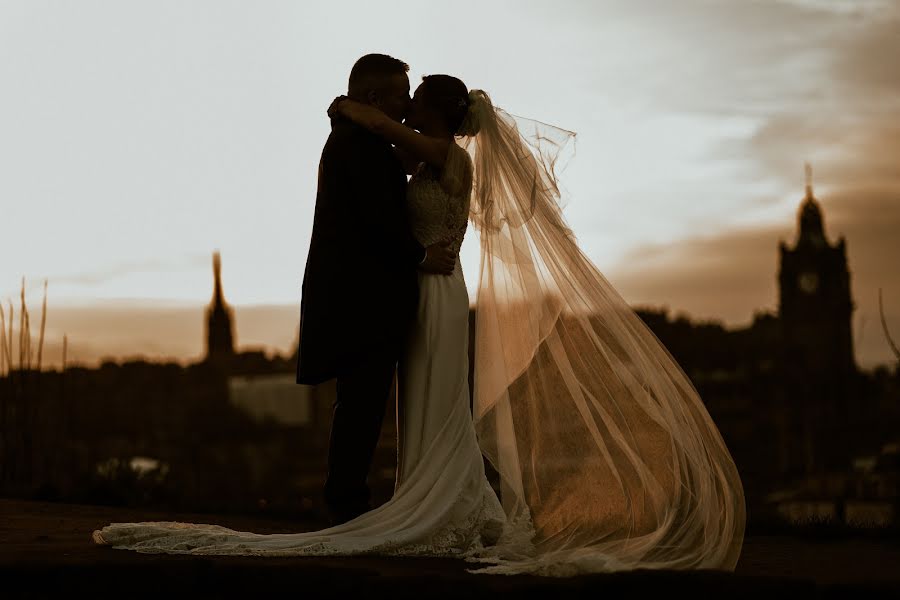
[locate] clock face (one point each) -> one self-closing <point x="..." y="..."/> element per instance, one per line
<point x="808" y="282"/>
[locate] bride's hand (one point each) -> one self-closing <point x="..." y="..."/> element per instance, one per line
<point x="333" y="109"/>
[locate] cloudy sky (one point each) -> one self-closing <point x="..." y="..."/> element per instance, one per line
<point x="138" y="137"/>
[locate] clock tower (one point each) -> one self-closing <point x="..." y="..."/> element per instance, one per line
<point x="818" y="365"/>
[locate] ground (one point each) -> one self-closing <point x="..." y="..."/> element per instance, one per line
<point x="46" y="551"/>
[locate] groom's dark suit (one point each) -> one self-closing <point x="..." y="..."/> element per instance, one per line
<point x="359" y="297"/>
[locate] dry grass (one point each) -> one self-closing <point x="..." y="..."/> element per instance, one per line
<point x="27" y="360"/>
<point x="884" y="327"/>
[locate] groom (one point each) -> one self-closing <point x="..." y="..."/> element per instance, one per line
<point x="360" y="288"/>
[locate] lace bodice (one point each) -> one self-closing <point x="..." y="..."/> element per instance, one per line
<point x="438" y="200"/>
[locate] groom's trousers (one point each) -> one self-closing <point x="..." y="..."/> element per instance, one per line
<point x="356" y="423"/>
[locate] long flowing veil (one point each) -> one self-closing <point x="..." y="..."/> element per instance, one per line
<point x="607" y="457"/>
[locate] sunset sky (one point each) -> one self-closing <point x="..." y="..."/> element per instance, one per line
<point x="138" y="137"/>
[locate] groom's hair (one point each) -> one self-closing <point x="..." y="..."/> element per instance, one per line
<point x="370" y="72"/>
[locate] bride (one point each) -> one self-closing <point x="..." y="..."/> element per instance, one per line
<point x="608" y="459"/>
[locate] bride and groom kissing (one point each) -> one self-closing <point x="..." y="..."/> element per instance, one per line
<point x="382" y="284"/>
<point x="607" y="457"/>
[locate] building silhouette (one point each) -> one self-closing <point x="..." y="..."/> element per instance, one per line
<point x="219" y="320"/>
<point x="818" y="368"/>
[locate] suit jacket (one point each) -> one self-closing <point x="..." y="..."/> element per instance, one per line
<point x="360" y="287"/>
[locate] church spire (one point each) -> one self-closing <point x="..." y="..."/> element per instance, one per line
<point x="809" y="188"/>
<point x="219" y="318"/>
<point x="218" y="297"/>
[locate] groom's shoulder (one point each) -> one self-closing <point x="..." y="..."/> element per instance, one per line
<point x="346" y="131"/>
<point x="347" y="136"/>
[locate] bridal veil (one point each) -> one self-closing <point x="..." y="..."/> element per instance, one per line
<point x="608" y="458"/>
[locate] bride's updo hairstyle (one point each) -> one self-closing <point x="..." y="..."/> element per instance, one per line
<point x="450" y="97"/>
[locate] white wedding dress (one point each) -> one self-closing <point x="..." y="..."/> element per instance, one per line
<point x="442" y="502"/>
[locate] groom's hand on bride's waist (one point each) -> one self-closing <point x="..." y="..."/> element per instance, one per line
<point x="439" y="259"/>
